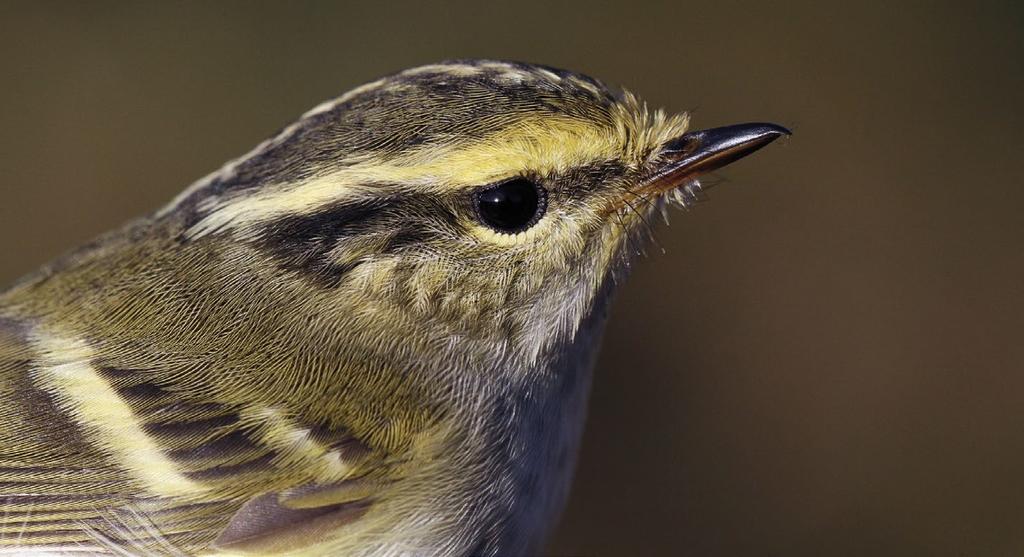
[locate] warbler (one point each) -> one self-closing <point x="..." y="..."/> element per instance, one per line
<point x="371" y="335"/>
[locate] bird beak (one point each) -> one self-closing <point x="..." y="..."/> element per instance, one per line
<point x="699" y="152"/>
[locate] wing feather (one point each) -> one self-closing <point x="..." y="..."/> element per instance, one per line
<point x="61" y="488"/>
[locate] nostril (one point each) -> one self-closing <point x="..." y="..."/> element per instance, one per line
<point x="683" y="144"/>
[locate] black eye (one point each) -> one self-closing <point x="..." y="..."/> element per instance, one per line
<point x="511" y="206"/>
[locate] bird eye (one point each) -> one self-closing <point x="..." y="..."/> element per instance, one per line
<point x="511" y="206"/>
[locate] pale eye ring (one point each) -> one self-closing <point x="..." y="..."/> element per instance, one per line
<point x="511" y="206"/>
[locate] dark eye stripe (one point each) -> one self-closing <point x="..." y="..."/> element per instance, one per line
<point x="304" y="242"/>
<point x="404" y="220"/>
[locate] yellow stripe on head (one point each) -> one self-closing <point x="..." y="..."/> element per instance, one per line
<point x="540" y="145"/>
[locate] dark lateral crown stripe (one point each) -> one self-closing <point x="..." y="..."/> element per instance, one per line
<point x="414" y="108"/>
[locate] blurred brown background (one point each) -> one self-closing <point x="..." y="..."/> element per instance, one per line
<point x="827" y="358"/>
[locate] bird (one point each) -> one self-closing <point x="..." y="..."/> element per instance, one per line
<point x="373" y="334"/>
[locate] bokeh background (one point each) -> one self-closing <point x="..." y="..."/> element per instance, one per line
<point x="826" y="359"/>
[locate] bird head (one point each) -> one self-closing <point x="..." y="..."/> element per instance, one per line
<point x="477" y="200"/>
<point x="381" y="318"/>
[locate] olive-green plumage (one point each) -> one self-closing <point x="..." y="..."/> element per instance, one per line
<point x="372" y="335"/>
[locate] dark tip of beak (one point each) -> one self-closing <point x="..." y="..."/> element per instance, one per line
<point x="703" y="151"/>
